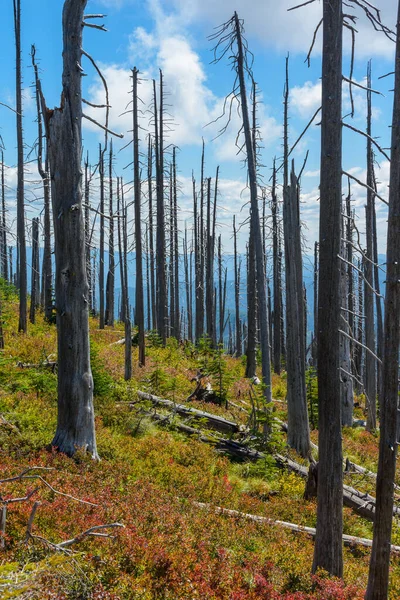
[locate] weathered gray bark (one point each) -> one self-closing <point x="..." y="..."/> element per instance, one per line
<point x="162" y="301"/>
<point x="188" y="275"/>
<point x="139" y="306"/>
<point x="298" y="427"/>
<point x="378" y="581"/>
<point x="43" y="168"/>
<point x="121" y="221"/>
<point x="328" y="541"/>
<point x="276" y="263"/>
<point x="75" y="421"/>
<point x="151" y="235"/>
<point x="4" y="252"/>
<point x="238" y="329"/>
<point x="110" y="302"/>
<point x="35" y="274"/>
<point x="102" y="242"/>
<point x="369" y="322"/>
<point x="346" y="381"/>
<point x="176" y="246"/>
<point x="21" y="236"/>
<point x="254" y="215"/>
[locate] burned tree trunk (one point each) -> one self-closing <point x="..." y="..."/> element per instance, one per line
<point x="276" y="262"/>
<point x="380" y="557"/>
<point x="151" y="235"/>
<point x="47" y="267"/>
<point x="110" y="288"/>
<point x="255" y="217"/>
<point x="139" y="306"/>
<point x="21" y="236"/>
<point x="4" y="252"/>
<point x="328" y="541"/>
<point x="35" y="278"/>
<point x="101" y="258"/>
<point x="75" y="421"/>
<point x="238" y="329"/>
<point x="298" y="428"/>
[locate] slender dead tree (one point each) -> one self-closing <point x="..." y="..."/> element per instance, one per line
<point x="328" y="541"/>
<point x="151" y="234"/>
<point x="346" y="380"/>
<point x="21" y="236"/>
<point x="4" y="252"/>
<point x="75" y="420"/>
<point x="43" y="168"/>
<point x="121" y="221"/>
<point x="176" y="244"/>
<point x="35" y="271"/>
<point x="277" y="279"/>
<point x="162" y="301"/>
<point x="110" y="286"/>
<point x="238" y="329"/>
<point x="139" y="306"/>
<point x="298" y="427"/>
<point x="370" y="363"/>
<point x="378" y="580"/>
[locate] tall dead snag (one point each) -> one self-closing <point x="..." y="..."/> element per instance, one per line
<point x="43" y="168"/>
<point x="110" y="285"/>
<point x="139" y="305"/>
<point x="241" y="66"/>
<point x="276" y="265"/>
<point x="298" y="427"/>
<point x="370" y="363"/>
<point x="328" y="541"/>
<point x="151" y="234"/>
<point x="346" y="379"/>
<point x="161" y="281"/>
<point x="75" y="420"/>
<point x="102" y="242"/>
<point x="176" y="246"/>
<point x="379" y="565"/>
<point x="3" y="249"/>
<point x="251" y="347"/>
<point x="21" y="237"/>
<point x="238" y="328"/>
<point x="210" y="237"/>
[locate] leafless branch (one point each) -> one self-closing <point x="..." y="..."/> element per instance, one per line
<point x="119" y="135"/>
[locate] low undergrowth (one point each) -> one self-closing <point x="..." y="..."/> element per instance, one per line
<point x="150" y="480"/>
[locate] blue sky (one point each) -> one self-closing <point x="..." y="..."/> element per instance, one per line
<point x="172" y="35"/>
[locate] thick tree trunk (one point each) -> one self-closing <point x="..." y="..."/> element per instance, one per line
<point x="378" y="581"/>
<point x="328" y="541"/>
<point x="75" y="421"/>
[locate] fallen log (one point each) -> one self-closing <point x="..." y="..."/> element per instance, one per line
<point x="362" y="503"/>
<point x="348" y="540"/>
<point x="212" y="421"/>
<point x="49" y="364"/>
<point x="234" y="449"/>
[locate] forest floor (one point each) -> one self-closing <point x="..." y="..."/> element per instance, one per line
<point x="151" y="479"/>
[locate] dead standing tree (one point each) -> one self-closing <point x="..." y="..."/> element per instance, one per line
<point x="379" y="566"/>
<point x="75" y="421"/>
<point x="228" y="36"/>
<point x="21" y="238"/>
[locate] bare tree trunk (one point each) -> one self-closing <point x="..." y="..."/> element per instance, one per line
<point x="188" y="275"/>
<point x="139" y="306"/>
<point x="47" y="267"/>
<point x="4" y="252"/>
<point x="378" y="581"/>
<point x="88" y="177"/>
<point x="75" y="422"/>
<point x="370" y="363"/>
<point x="176" y="245"/>
<point x="35" y="278"/>
<point x="346" y="381"/>
<point x="328" y="541"/>
<point x="21" y="236"/>
<point x="101" y="259"/>
<point x="238" y="330"/>
<point x="111" y="259"/>
<point x="276" y="261"/>
<point x="151" y="234"/>
<point x="254" y="215"/>
<point x="121" y="220"/>
<point x="298" y="427"/>
<point x="162" y="301"/>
